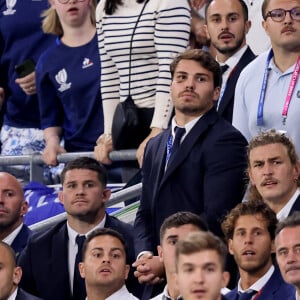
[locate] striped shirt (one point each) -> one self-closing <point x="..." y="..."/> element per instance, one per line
<point x="162" y="32"/>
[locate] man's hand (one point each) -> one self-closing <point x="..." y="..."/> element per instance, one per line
<point x="149" y="269"/>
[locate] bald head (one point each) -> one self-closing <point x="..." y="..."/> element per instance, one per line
<point x="12" y="204"/>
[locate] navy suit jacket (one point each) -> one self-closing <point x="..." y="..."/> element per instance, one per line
<point x="22" y="295"/>
<point x="20" y="241"/>
<point x="226" y="105"/>
<point x="45" y="260"/>
<point x="274" y="289"/>
<point x="205" y="176"/>
<point x="296" y="206"/>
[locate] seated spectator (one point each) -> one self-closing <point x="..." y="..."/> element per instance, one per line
<point x="174" y="229"/>
<point x="287" y="241"/>
<point x="13" y="207"/>
<point x="21" y="38"/>
<point x="10" y="276"/>
<point x="249" y="229"/>
<point x="274" y="170"/>
<point x="104" y="266"/>
<point x="68" y="80"/>
<point x="200" y="263"/>
<point x="55" y="254"/>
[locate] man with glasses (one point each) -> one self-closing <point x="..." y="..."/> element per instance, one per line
<point x="267" y="94"/>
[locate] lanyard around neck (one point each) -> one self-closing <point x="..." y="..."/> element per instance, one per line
<point x="288" y="98"/>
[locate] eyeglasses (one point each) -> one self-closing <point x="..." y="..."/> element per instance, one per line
<point x="66" y="1"/>
<point x="278" y="15"/>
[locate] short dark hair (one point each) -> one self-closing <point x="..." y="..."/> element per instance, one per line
<point x="204" y="58"/>
<point x="179" y="219"/>
<point x="102" y="232"/>
<point x="242" y="3"/>
<point x="11" y="253"/>
<point x="264" y="8"/>
<point x="253" y="207"/>
<point x="201" y="241"/>
<point x="86" y="163"/>
<point x="289" y="222"/>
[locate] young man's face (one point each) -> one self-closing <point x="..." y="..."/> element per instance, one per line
<point x="192" y="89"/>
<point x="104" y="265"/>
<point x="273" y="174"/>
<point x="287" y="244"/>
<point x="167" y="248"/>
<point x="226" y="26"/>
<point x="251" y="245"/>
<point x="200" y="275"/>
<point x="285" y="34"/>
<point x="83" y="195"/>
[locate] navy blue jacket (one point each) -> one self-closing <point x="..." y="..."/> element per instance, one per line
<point x="274" y="289"/>
<point x="205" y="176"/>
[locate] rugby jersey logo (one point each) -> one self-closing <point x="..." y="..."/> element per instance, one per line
<point x="10" y="4"/>
<point x="61" y="78"/>
<point x="86" y="63"/>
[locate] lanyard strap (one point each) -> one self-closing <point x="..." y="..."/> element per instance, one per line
<point x="288" y="98"/>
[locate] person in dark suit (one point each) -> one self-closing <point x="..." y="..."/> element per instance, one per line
<point x="205" y="174"/>
<point x="200" y="266"/>
<point x="13" y="207"/>
<point x="249" y="229"/>
<point x="227" y="25"/>
<point x="10" y="275"/>
<point x="48" y="261"/>
<point x="274" y="172"/>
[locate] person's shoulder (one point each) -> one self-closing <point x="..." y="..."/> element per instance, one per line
<point x="116" y="224"/>
<point x="22" y="295"/>
<point x="40" y="237"/>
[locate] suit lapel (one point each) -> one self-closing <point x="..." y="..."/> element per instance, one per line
<point x="197" y="133"/>
<point x="160" y="162"/>
<point x="232" y="80"/>
<point x="59" y="261"/>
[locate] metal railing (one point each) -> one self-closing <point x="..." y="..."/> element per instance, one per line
<point x="36" y="163"/>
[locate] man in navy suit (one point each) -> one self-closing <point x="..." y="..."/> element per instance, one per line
<point x="274" y="170"/>
<point x="10" y="276"/>
<point x="227" y="25"/>
<point x="48" y="261"/>
<point x="13" y="207"/>
<point x="205" y="174"/>
<point x="249" y="229"/>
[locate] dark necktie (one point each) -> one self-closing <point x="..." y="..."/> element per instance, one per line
<point x="224" y="69"/>
<point x="78" y="283"/>
<point x="179" y="132"/>
<point x="247" y="296"/>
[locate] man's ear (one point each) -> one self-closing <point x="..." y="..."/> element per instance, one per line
<point x="61" y="197"/>
<point x="24" y="208"/>
<point x="206" y="31"/>
<point x="127" y="269"/>
<point x="160" y="253"/>
<point x="225" y="278"/>
<point x="216" y="93"/>
<point x="17" y="275"/>
<point x="81" y="269"/>
<point x="106" y="195"/>
<point x="230" y="246"/>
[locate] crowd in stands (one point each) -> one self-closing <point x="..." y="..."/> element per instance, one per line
<point x="216" y="84"/>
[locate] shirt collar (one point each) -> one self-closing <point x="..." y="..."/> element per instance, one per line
<point x="234" y="59"/>
<point x="10" y="238"/>
<point x="260" y="283"/>
<point x="13" y="295"/>
<point x="73" y="234"/>
<point x="188" y="126"/>
<point x="284" y="212"/>
<point x="167" y="296"/>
